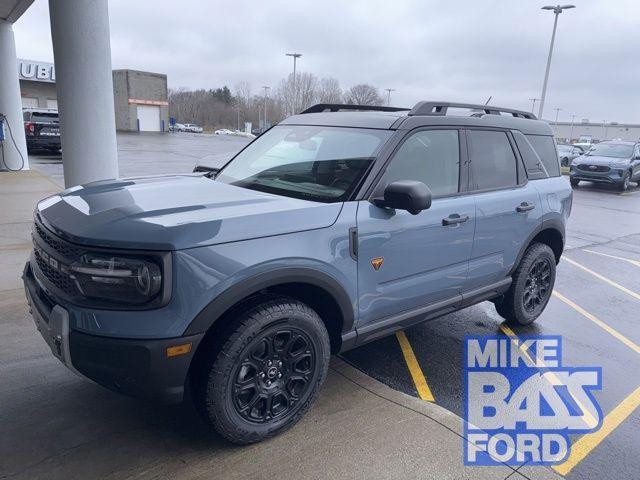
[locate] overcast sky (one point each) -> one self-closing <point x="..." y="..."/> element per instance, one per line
<point x="439" y="50"/>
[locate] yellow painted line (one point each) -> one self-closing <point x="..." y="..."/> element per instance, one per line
<point x="604" y="279"/>
<point x="612" y="331"/>
<point x="632" y="262"/>
<point x="585" y="444"/>
<point x="590" y="420"/>
<point x="418" y="377"/>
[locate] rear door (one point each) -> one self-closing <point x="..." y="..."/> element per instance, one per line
<point x="408" y="262"/>
<point x="507" y="206"/>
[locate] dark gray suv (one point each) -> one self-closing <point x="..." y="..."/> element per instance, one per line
<point x="334" y="228"/>
<point x="616" y="163"/>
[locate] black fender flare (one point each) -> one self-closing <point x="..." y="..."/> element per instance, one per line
<point x="252" y="285"/>
<point x="551" y="224"/>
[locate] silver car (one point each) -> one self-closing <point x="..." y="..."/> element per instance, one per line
<point x="566" y="154"/>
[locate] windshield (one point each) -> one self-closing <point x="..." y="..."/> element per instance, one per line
<point x="323" y="164"/>
<point x="614" y="150"/>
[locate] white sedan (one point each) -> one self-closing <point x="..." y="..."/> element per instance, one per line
<point x="191" y="127"/>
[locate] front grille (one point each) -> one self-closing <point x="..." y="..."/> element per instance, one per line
<point x="59" y="279"/>
<point x="594" y="168"/>
<point x="65" y="249"/>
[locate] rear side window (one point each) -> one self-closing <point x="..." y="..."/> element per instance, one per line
<point x="492" y="159"/>
<point x="534" y="166"/>
<point x="545" y="147"/>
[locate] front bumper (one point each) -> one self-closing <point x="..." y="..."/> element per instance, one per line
<point x="613" y="176"/>
<point x="135" y="367"/>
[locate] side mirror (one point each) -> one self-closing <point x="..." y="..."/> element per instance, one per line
<point x="406" y="195"/>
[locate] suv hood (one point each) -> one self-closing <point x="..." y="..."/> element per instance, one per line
<point x="176" y="212"/>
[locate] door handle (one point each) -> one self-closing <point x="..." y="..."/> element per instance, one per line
<point x="525" y="207"/>
<point x="454" y="219"/>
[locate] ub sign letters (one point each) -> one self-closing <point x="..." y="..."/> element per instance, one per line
<point x="521" y="404"/>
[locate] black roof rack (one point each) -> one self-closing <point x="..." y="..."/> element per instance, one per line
<point x="336" y="107"/>
<point x="440" y="108"/>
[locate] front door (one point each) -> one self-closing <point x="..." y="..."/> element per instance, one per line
<point x="407" y="262"/>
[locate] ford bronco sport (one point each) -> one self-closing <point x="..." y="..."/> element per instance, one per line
<point x="336" y="227"/>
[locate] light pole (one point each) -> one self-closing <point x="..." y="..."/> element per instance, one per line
<point x="533" y="104"/>
<point x="557" y="10"/>
<point x="573" y="118"/>
<point x="295" y="56"/>
<point x="555" y="124"/>
<point x="266" y="90"/>
<point x="605" y="127"/>
<point x="389" y="90"/>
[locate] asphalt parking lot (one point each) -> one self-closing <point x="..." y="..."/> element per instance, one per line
<point x="595" y="310"/>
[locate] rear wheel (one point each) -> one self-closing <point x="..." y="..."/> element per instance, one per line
<point x="531" y="288"/>
<point x="267" y="372"/>
<point x="564" y="162"/>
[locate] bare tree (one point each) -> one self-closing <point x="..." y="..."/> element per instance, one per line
<point x="329" y="91"/>
<point x="305" y="91"/>
<point x="363" y="94"/>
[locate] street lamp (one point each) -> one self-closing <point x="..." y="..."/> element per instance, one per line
<point x="266" y="90"/>
<point x="573" y="119"/>
<point x="295" y="56"/>
<point x="533" y="104"/>
<point x="557" y="10"/>
<point x="555" y="124"/>
<point x="389" y="90"/>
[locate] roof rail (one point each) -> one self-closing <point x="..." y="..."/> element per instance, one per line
<point x="336" y="107"/>
<point x="440" y="108"/>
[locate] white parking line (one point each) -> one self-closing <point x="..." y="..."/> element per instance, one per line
<point x="632" y="262"/>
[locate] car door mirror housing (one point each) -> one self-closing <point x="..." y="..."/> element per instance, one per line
<point x="406" y="195"/>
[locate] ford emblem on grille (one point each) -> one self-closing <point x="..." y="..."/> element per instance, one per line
<point x="592" y="167"/>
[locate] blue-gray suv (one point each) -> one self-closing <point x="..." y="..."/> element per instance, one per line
<point x="336" y="227"/>
<point x="612" y="162"/>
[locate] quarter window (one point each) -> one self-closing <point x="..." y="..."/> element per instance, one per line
<point x="545" y="147"/>
<point x="431" y="157"/>
<point x="492" y="159"/>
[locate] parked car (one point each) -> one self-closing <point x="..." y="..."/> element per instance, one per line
<point x="332" y="229"/>
<point x="41" y="128"/>
<point x="566" y="153"/>
<point x="191" y="127"/>
<point x="223" y="131"/>
<point x="616" y="163"/>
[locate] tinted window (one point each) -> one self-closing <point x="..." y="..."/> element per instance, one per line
<point x="431" y="157"/>
<point x="42" y="117"/>
<point x="492" y="159"/>
<point x="545" y="147"/>
<point x="534" y="166"/>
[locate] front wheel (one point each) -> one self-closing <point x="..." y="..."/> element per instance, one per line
<point x="574" y="183"/>
<point x="531" y="287"/>
<point x="267" y="373"/>
<point x="624" y="186"/>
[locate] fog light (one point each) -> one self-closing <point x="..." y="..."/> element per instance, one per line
<point x="177" y="350"/>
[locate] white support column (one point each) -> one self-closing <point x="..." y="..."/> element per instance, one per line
<point x="82" y="52"/>
<point x="11" y="102"/>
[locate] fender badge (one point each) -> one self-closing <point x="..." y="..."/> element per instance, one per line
<point x="377" y="263"/>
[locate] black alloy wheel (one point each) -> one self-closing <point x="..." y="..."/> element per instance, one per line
<point x="275" y="374"/>
<point x="537" y="285"/>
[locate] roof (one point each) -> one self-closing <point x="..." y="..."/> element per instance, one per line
<point x="401" y="120"/>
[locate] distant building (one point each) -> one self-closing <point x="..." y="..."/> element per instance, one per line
<point x="140" y="98"/>
<point x="596" y="131"/>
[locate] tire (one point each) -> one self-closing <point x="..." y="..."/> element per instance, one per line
<point x="531" y="287"/>
<point x="574" y="183"/>
<point x="624" y="186"/>
<point x="278" y="351"/>
<point x="564" y="162"/>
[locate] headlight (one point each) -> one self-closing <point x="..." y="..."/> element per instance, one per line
<point x="117" y="279"/>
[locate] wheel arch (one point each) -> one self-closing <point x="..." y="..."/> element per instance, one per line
<point x="317" y="289"/>
<point x="551" y="233"/>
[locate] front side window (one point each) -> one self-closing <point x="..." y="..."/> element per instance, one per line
<point x="323" y="164"/>
<point x="431" y="157"/>
<point x="492" y="159"/>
